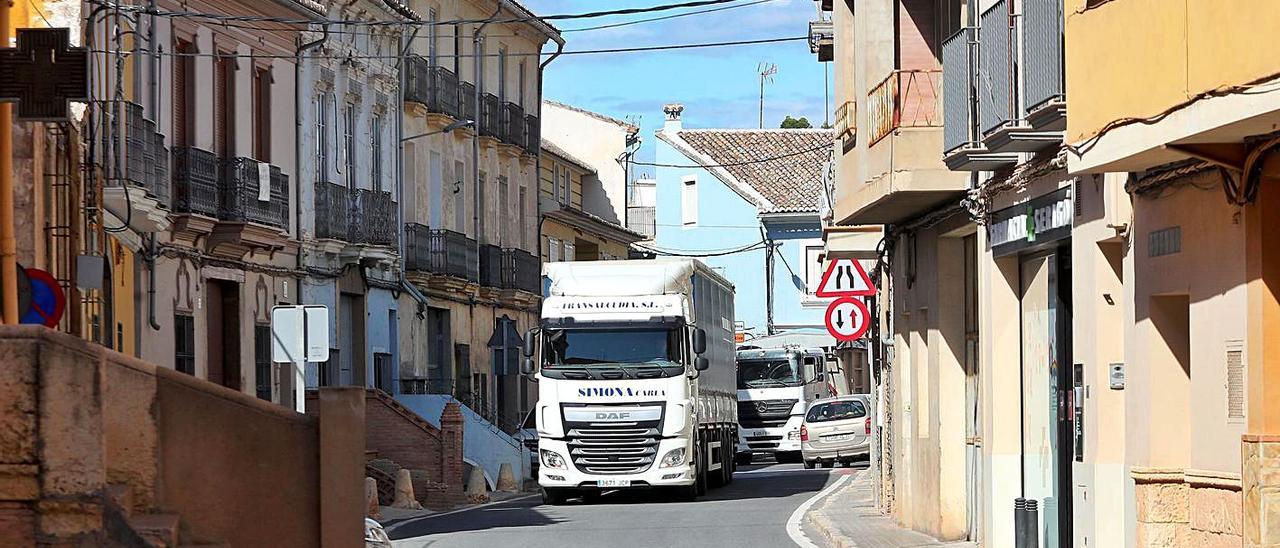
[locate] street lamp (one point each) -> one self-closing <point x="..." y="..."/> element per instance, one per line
<point x="455" y="125"/>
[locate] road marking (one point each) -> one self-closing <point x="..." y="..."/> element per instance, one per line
<point x="793" y="523"/>
<point x="400" y="524"/>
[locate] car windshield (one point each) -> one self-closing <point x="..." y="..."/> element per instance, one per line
<point x="768" y="374"/>
<point x="836" y="411"/>
<point x="588" y="347"/>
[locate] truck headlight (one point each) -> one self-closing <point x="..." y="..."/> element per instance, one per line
<point x="793" y="435"/>
<point x="674" y="457"/>
<point x="551" y="459"/>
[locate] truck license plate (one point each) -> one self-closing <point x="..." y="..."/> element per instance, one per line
<point x="613" y="483"/>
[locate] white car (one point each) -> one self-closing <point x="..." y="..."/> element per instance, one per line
<point x="527" y="435"/>
<point x="836" y="430"/>
<point x="374" y="535"/>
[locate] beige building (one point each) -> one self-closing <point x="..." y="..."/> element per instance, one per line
<point x="608" y="151"/>
<point x="571" y="232"/>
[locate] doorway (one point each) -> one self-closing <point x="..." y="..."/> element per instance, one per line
<point x="222" y="317"/>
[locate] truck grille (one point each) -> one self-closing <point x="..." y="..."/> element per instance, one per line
<point x="764" y="413"/>
<point x="613" y="447"/>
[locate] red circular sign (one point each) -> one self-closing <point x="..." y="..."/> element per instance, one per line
<point x="848" y="319"/>
<point x="47" y="300"/>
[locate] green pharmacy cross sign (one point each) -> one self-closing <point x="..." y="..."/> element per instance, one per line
<point x="43" y="74"/>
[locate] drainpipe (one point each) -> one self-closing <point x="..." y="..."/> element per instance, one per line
<point x="155" y="111"/>
<point x="768" y="280"/>
<point x="537" y="163"/>
<point x="8" y="240"/>
<point x="298" y="152"/>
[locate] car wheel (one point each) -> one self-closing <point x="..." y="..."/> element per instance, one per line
<point x="591" y="497"/>
<point x="808" y="465"/>
<point x="687" y="493"/>
<point x="553" y="497"/>
<point x="743" y="459"/>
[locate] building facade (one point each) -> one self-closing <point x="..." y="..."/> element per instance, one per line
<point x="608" y="151"/>
<point x="571" y="232"/>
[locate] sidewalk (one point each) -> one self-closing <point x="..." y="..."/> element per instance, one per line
<point x="848" y="518"/>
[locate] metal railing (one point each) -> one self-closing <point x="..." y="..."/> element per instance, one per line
<point x="241" y="193"/>
<point x="490" y="116"/>
<point x="513" y="125"/>
<point x="521" y="270"/>
<point x="846" y="125"/>
<point x="490" y="265"/>
<point x="957" y="90"/>
<point x="1041" y="52"/>
<point x="433" y="86"/>
<point x="467" y="101"/>
<point x="195" y="181"/>
<point x="440" y="251"/>
<point x="372" y="217"/>
<point x="532" y="134"/>
<point x="147" y="165"/>
<point x="906" y="98"/>
<point x="641" y="219"/>
<point x="995" y="68"/>
<point x="333" y="211"/>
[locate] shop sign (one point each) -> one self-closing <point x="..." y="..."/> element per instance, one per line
<point x="1039" y="221"/>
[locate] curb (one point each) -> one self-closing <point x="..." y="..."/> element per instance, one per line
<point x="830" y="533"/>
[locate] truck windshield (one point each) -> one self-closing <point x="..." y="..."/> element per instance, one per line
<point x="768" y="374"/>
<point x="586" y="347"/>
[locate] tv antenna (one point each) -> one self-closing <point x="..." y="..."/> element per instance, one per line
<point x="766" y="72"/>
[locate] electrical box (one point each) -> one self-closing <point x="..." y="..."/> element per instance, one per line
<point x="1117" y="376"/>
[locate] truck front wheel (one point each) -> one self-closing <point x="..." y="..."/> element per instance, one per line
<point x="553" y="497"/>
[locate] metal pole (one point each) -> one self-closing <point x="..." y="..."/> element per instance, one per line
<point x="8" y="243"/>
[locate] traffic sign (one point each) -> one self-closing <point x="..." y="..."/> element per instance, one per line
<point x="845" y="278"/>
<point x="847" y="319"/>
<point x="47" y="300"/>
<point x="299" y="334"/>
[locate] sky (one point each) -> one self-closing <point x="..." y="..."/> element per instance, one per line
<point x="719" y="87"/>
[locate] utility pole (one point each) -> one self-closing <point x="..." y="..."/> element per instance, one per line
<point x="766" y="71"/>
<point x="8" y="242"/>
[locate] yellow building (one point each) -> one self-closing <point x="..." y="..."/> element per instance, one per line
<point x="569" y="232"/>
<point x="1183" y="96"/>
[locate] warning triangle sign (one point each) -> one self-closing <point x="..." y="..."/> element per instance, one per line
<point x="845" y="278"/>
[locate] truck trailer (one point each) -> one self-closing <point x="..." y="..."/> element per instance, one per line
<point x="634" y="362"/>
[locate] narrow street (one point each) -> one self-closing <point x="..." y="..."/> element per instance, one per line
<point x="753" y="511"/>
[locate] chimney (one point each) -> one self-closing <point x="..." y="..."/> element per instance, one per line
<point x="673" y="111"/>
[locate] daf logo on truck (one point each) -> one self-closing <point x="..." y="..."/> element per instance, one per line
<point x="612" y="416"/>
<point x="614" y="391"/>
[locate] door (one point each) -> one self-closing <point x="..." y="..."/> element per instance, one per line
<point x="223" y="323"/>
<point x="972" y="391"/>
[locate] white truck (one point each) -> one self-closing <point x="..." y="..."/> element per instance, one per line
<point x="775" y="386"/>
<point x="635" y="368"/>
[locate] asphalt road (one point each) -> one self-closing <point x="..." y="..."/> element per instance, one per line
<point x="752" y="511"/>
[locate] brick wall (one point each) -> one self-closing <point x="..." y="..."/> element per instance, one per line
<point x="396" y="433"/>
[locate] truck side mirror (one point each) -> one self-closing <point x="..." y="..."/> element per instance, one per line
<point x="526" y="366"/>
<point x="699" y="341"/>
<point x="701" y="364"/>
<point x="529" y="338"/>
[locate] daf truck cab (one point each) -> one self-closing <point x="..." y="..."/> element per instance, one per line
<point x="775" y="386"/>
<point x="635" y="372"/>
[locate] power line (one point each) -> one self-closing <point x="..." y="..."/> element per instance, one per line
<point x="663" y="18"/>
<point x="665" y="47"/>
<point x="742" y="163"/>
<point x="702" y="254"/>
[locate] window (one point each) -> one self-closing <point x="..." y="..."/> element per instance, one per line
<point x="322" y="139"/>
<point x="459" y="194"/>
<point x="349" y="144"/>
<point x="689" y="201"/>
<point x="262" y="115"/>
<point x="376" y="156"/>
<point x="457" y="50"/>
<point x="524" y="220"/>
<point x="553" y="249"/>
<point x="504" y="204"/>
<point x="480" y="208"/>
<point x="520" y="77"/>
<point x="181" y="93"/>
<point x="184" y="344"/>
<point x="431" y="36"/>
<point x="570" y="251"/>
<point x="564" y="186"/>
<point x="262" y="360"/>
<point x="813" y="265"/>
<point x="836" y="411"/>
<point x="502" y="73"/>
<point x="222" y="74"/>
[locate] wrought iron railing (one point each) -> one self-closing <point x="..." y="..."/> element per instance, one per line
<point x="490" y="116"/>
<point x="532" y="134"/>
<point x="995" y="68"/>
<point x="957" y="89"/>
<point x="520" y="270"/>
<point x="490" y="265"/>
<point x="846" y="125"/>
<point x="1041" y="52"/>
<point x="333" y="211"/>
<point x="467" y="101"/>
<point x="242" y="194"/>
<point x="195" y="181"/>
<point x="434" y="86"/>
<point x="372" y="217"/>
<point x="147" y="161"/>
<point x="906" y="98"/>
<point x="440" y="251"/>
<point x="642" y="219"/>
<point x="513" y="125"/>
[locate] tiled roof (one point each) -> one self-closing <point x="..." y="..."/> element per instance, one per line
<point x="791" y="182"/>
<point x="596" y="115"/>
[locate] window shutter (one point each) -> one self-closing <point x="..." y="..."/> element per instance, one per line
<point x="180" y="64"/>
<point x="1235" y="381"/>
<point x="220" y="106"/>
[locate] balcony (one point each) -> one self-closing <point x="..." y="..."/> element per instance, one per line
<point x="244" y="199"/>
<point x="490" y="116"/>
<point x="1045" y="103"/>
<point x="962" y="150"/>
<point x="521" y="270"/>
<point x="846" y="125"/>
<point x="195" y="182"/>
<point x="532" y="134"/>
<point x="333" y="211"/>
<point x="904" y="133"/>
<point x="641" y="219"/>
<point x="372" y="218"/>
<point x="514" y="131"/>
<point x="143" y="195"/>
<point x="432" y="86"/>
<point x="490" y="265"/>
<point x="1001" y="123"/>
<point x="441" y="252"/>
<point x="467" y="101"/>
<point x="822" y="40"/>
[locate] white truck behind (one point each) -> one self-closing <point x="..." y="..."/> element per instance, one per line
<point x="775" y="386"/>
<point x="636" y="388"/>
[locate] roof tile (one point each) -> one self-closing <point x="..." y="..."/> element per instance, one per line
<point x="792" y="182"/>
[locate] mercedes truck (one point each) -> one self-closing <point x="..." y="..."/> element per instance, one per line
<point x="775" y="386"/>
<point x="634" y="362"/>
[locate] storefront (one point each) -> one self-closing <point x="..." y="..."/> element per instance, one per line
<point x="1036" y="234"/>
